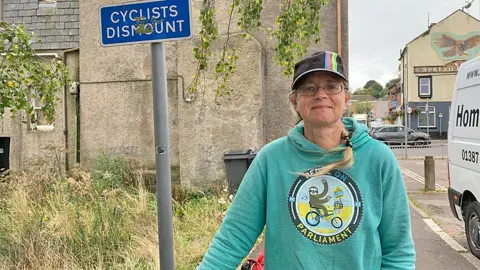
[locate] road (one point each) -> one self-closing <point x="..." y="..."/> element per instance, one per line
<point x="436" y="149"/>
<point x="415" y="169"/>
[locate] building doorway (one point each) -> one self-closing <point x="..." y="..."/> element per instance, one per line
<point x="4" y="154"/>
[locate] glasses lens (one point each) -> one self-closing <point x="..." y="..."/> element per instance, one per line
<point x="333" y="88"/>
<point x="307" y="90"/>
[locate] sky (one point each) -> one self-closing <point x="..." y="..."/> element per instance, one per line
<point x="379" y="29"/>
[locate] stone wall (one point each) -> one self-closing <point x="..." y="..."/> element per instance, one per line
<point x="116" y="108"/>
<point x="116" y="95"/>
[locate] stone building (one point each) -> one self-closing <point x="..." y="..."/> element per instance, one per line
<point x="56" y="26"/>
<point x="112" y="110"/>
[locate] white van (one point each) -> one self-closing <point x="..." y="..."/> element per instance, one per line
<point x="463" y="151"/>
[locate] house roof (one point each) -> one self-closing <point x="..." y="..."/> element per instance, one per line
<point x="396" y="85"/>
<point x="431" y="26"/>
<point x="362" y="98"/>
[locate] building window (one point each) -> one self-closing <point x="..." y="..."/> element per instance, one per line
<point x="425" y="87"/>
<point x="427" y="120"/>
<point x="39" y="122"/>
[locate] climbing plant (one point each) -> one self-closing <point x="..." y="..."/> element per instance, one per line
<point x="297" y="27"/>
<point x="24" y="78"/>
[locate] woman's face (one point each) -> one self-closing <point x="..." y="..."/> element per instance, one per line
<point x="324" y="106"/>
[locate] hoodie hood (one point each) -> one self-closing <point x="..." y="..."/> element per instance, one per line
<point x="358" y="136"/>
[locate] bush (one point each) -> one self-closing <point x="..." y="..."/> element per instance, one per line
<point x="65" y="223"/>
<point x="110" y="172"/>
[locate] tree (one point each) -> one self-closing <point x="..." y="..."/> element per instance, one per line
<point x="376" y="89"/>
<point x="362" y="107"/>
<point x="24" y="79"/>
<point x="363" y="91"/>
<point x="370" y="83"/>
<point x="378" y="92"/>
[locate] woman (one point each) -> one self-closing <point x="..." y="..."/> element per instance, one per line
<point x="330" y="196"/>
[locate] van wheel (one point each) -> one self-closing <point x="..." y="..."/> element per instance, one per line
<point x="472" y="227"/>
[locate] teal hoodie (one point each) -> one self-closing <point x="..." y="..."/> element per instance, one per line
<point x="353" y="218"/>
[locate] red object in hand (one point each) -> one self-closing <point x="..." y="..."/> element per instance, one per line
<point x="257" y="264"/>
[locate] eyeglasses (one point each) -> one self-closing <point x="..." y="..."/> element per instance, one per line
<point x="311" y="89"/>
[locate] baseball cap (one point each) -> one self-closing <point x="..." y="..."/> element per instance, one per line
<point x="319" y="61"/>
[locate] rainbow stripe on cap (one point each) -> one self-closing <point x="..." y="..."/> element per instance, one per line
<point x="331" y="61"/>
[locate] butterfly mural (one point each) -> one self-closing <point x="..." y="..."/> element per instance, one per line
<point x="451" y="47"/>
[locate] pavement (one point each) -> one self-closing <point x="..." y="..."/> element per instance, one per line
<point x="434" y="204"/>
<point x="439" y="237"/>
<point x="432" y="209"/>
<point x="432" y="251"/>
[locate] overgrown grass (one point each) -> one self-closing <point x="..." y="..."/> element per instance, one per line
<point x="104" y="219"/>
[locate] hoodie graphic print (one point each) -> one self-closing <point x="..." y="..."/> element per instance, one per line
<point x="327" y="209"/>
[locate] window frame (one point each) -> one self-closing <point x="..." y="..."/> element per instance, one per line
<point x="422" y="95"/>
<point x="37" y="106"/>
<point x="34" y="126"/>
<point x="433" y="113"/>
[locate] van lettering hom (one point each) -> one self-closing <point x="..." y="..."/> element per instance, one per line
<point x="466" y="117"/>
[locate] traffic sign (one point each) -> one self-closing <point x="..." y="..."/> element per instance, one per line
<point x="153" y="22"/>
<point x="410" y="110"/>
<point x="440" y="115"/>
<point x="145" y="22"/>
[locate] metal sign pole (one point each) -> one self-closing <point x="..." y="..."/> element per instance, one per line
<point x="427" y="111"/>
<point x="162" y="156"/>
<point x="410" y="120"/>
<point x="440" y="117"/>
<point x="178" y="15"/>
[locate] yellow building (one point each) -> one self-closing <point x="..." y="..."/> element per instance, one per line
<point x="429" y="65"/>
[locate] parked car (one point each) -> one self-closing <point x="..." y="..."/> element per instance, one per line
<point x="376" y="123"/>
<point x="463" y="152"/>
<point x="395" y="134"/>
<point x="361" y="118"/>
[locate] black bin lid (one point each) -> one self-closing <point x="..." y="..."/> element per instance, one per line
<point x="237" y="154"/>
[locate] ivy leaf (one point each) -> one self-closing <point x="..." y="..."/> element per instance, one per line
<point x="297" y="27"/>
<point x="23" y="72"/>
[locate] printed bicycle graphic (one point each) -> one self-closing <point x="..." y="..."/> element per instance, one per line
<point x="314" y="217"/>
<point x="319" y="209"/>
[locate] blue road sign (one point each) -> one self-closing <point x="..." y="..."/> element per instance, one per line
<point x="145" y="22"/>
